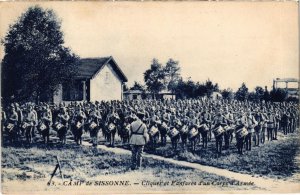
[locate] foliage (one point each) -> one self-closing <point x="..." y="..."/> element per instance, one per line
<point x="137" y="86"/>
<point x="227" y="94"/>
<point x="171" y="74"/>
<point x="190" y="89"/>
<point x="278" y="95"/>
<point x="35" y="60"/>
<point x="210" y="87"/>
<point x="154" y="77"/>
<point x="242" y="93"/>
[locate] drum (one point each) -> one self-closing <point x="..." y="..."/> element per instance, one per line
<point x="78" y="125"/>
<point x="58" y="126"/>
<point x="10" y="126"/>
<point x="193" y="132"/>
<point x="25" y="125"/>
<point x="93" y="125"/>
<point x="111" y="126"/>
<point x="42" y="127"/>
<point x="184" y="129"/>
<point x="153" y="131"/>
<point x="127" y="127"/>
<point x="241" y="132"/>
<point x="173" y="132"/>
<point x="227" y="128"/>
<point x="218" y="131"/>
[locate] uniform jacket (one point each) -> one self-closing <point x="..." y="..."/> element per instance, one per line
<point x="138" y="133"/>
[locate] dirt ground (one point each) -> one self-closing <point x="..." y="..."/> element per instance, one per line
<point x="27" y="169"/>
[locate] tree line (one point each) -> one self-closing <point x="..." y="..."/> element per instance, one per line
<point x="167" y="77"/>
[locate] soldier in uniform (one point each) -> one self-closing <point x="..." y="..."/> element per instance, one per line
<point x="206" y="120"/>
<point x="138" y="138"/>
<point x="63" y="118"/>
<point x="12" y="121"/>
<point x="284" y="122"/>
<point x="251" y="125"/>
<point x="95" y="118"/>
<point x="271" y="124"/>
<point x="219" y="120"/>
<point x="46" y="119"/>
<point x="228" y="134"/>
<point x="31" y="121"/>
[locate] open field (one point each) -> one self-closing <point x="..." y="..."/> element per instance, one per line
<point x="275" y="159"/>
<point x="32" y="165"/>
<point x="29" y="165"/>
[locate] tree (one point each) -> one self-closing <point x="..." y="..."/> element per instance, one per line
<point x="259" y="93"/>
<point x="171" y="74"/>
<point x="137" y="86"/>
<point x="227" y="94"/>
<point x="266" y="94"/>
<point x="35" y="60"/>
<point x="154" y="77"/>
<point x="278" y="95"/>
<point x="210" y="87"/>
<point x="242" y="93"/>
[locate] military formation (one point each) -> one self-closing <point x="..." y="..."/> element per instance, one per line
<point x="185" y="124"/>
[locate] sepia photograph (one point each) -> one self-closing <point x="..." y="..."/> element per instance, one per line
<point x="149" y="97"/>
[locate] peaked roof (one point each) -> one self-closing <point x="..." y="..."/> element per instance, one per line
<point x="89" y="67"/>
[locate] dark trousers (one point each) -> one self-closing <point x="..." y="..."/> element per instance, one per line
<point x="204" y="138"/>
<point x="257" y="138"/>
<point x="219" y="141"/>
<point x="270" y="133"/>
<point x="240" y="144"/>
<point x="227" y="139"/>
<point x="263" y="135"/>
<point x="275" y="134"/>
<point x="248" y="141"/>
<point x="136" y="158"/>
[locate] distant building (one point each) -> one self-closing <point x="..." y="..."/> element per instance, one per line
<point x="292" y="91"/>
<point x="216" y="95"/>
<point x="97" y="79"/>
<point x="132" y="95"/>
<point x="138" y="95"/>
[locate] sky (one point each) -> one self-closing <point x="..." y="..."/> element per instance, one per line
<point x="226" y="42"/>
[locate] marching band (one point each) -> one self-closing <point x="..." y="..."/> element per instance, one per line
<point x="180" y="121"/>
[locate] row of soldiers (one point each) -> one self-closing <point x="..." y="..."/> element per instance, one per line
<point x="185" y="120"/>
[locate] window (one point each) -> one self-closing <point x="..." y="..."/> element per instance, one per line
<point x="106" y="77"/>
<point x="134" y="97"/>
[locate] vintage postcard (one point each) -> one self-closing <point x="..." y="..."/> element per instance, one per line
<point x="135" y="97"/>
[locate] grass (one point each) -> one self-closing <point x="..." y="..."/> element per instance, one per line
<point x="274" y="159"/>
<point x="87" y="163"/>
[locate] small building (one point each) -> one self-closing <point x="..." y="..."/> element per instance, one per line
<point x="166" y="94"/>
<point x="138" y="95"/>
<point x="216" y="95"/>
<point x="290" y="85"/>
<point x="133" y="95"/>
<point x="97" y="79"/>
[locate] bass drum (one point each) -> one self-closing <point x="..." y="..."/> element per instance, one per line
<point x="153" y="131"/>
<point x="111" y="126"/>
<point x="218" y="131"/>
<point x="193" y="133"/>
<point x="241" y="131"/>
<point x="184" y="129"/>
<point x="173" y="132"/>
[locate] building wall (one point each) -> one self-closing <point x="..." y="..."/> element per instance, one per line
<point x="105" y="85"/>
<point x="57" y="97"/>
